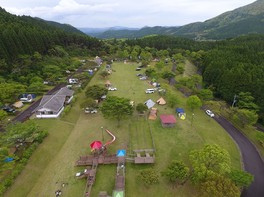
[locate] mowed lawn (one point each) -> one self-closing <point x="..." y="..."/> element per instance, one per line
<point x="53" y="162"/>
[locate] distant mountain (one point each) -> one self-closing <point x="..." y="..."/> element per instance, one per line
<point x="95" y="32"/>
<point x="243" y="20"/>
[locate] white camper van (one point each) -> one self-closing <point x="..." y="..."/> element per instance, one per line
<point x="150" y="91"/>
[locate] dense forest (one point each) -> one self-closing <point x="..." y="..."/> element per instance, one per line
<point x="235" y="66"/>
<point x="26" y="35"/>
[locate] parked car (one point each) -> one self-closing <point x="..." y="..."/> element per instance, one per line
<point x="26" y="100"/>
<point x="112" y="89"/>
<point x="139" y="75"/>
<point x="143" y="78"/>
<point x="138" y="69"/>
<point x="150" y="91"/>
<point x="209" y="113"/>
<point x="90" y="111"/>
<point x="9" y="109"/>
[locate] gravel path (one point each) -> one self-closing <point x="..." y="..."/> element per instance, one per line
<point x="253" y="162"/>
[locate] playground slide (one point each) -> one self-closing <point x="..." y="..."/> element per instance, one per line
<point x="110" y="142"/>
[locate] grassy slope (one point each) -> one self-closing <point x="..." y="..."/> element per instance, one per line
<point x="53" y="162"/>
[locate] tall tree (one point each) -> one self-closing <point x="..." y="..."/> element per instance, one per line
<point x="245" y="117"/>
<point x="117" y="108"/>
<point x="241" y="178"/>
<point x="246" y="101"/>
<point x="219" y="186"/>
<point x="96" y="92"/>
<point x="193" y="102"/>
<point x="210" y="160"/>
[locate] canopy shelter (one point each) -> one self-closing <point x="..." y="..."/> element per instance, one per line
<point x="161" y="101"/>
<point x="96" y="145"/>
<point x="167" y="120"/>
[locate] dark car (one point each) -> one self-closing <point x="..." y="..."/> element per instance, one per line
<point x="9" y="109"/>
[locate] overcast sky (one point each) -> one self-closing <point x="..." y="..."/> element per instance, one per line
<point x="128" y="13"/>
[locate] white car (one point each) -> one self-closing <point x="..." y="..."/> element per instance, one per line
<point x="90" y="111"/>
<point x="150" y="91"/>
<point x="209" y="113"/>
<point x="112" y="89"/>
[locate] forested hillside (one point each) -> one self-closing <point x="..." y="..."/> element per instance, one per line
<point x="241" y="21"/>
<point x="236" y="66"/>
<point x="26" y="35"/>
<point x="33" y="51"/>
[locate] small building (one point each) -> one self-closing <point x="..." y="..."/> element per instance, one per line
<point x="51" y="106"/>
<point x="167" y="120"/>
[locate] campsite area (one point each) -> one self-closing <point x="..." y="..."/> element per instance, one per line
<point x="53" y="163"/>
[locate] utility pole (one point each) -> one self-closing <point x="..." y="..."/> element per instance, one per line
<point x="102" y="130"/>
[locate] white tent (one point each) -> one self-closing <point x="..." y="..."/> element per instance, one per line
<point x="149" y="103"/>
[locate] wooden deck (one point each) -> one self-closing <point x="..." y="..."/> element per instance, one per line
<point x="146" y="158"/>
<point x="89" y="160"/>
<point x="140" y="157"/>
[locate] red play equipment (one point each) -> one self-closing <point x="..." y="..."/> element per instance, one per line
<point x="96" y="145"/>
<point x="99" y="147"/>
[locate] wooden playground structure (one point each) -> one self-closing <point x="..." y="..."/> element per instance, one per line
<point x="100" y="157"/>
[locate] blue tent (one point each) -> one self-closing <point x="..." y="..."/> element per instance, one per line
<point x="179" y="110"/>
<point x="121" y="153"/>
<point x="9" y="159"/>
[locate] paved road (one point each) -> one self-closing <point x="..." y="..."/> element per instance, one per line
<point x="251" y="159"/>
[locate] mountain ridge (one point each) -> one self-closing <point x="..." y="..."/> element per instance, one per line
<point x="243" y="20"/>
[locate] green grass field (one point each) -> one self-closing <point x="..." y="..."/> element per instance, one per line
<point x="69" y="137"/>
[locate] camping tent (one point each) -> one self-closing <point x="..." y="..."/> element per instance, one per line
<point x="149" y="103"/>
<point x="121" y="153"/>
<point x="181" y="113"/>
<point x="107" y="83"/>
<point x="161" y="101"/>
<point x="18" y="104"/>
<point x="153" y="114"/>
